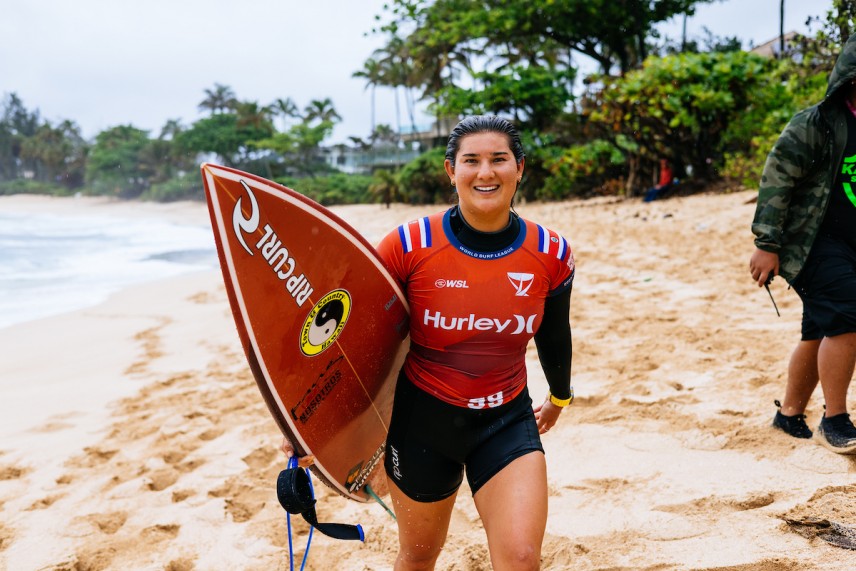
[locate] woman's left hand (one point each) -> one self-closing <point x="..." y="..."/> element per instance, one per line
<point x="546" y="415"/>
<point x="288" y="449"/>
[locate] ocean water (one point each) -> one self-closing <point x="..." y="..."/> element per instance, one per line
<point x="54" y="264"/>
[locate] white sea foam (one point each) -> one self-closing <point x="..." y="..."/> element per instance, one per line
<point x="53" y="264"/>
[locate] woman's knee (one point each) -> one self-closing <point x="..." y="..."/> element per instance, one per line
<point x="518" y="556"/>
<point x="418" y="556"/>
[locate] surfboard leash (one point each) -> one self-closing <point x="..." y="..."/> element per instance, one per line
<point x="296" y="495"/>
<point x="376" y="498"/>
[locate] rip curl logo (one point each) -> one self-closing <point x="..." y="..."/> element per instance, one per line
<point x="244" y="225"/>
<point x="396" y="463"/>
<point x="521" y="282"/>
<point x="281" y="262"/>
<point x="325" y="322"/>
<point x="849" y="168"/>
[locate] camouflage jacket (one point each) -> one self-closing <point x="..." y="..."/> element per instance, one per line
<point x="800" y="169"/>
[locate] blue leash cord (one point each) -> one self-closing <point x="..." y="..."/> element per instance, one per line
<point x="296" y="495"/>
<point x="292" y="463"/>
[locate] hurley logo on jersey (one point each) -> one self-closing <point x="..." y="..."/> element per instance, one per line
<point x="471" y="322"/>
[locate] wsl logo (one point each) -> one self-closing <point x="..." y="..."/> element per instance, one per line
<point x="325" y="322"/>
<point x="441" y="283"/>
<point x="521" y="283"/>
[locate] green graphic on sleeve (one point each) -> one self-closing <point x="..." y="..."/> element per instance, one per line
<point x="847" y="168"/>
<point x="849" y="192"/>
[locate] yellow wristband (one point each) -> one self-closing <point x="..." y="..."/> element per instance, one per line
<point x="562" y="402"/>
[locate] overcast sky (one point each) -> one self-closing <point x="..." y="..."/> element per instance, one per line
<point x="103" y="63"/>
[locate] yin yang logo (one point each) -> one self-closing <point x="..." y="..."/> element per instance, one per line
<point x="325" y="322"/>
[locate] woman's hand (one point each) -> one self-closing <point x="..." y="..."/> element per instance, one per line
<point x="546" y="415"/>
<point x="288" y="450"/>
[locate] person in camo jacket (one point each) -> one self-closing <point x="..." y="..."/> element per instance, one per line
<point x="805" y="231"/>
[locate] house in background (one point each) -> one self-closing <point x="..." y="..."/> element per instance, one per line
<point x="773" y="47"/>
<point x="390" y="154"/>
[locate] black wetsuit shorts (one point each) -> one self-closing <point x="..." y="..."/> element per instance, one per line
<point x="431" y="443"/>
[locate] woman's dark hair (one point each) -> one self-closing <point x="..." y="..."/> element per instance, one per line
<point x="484" y="124"/>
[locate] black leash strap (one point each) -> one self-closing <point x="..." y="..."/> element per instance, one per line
<point x="770" y="277"/>
<point x="294" y="491"/>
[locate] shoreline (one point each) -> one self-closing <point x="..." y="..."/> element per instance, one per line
<point x="154" y="449"/>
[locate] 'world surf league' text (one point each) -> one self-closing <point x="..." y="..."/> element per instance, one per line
<point x="271" y="248"/>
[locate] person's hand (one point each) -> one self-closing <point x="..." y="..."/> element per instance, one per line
<point x="763" y="265"/>
<point x="546" y="415"/>
<point x="288" y="449"/>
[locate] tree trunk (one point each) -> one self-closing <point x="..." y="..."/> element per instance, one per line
<point x="630" y="185"/>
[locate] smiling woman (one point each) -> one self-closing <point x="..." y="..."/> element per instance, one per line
<point x="481" y="283"/>
<point x="486" y="169"/>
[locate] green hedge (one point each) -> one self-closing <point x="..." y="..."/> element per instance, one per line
<point x="24" y="186"/>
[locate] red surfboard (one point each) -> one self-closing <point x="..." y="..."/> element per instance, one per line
<point x="323" y="324"/>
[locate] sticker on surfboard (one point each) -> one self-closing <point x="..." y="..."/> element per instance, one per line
<point x="325" y="322"/>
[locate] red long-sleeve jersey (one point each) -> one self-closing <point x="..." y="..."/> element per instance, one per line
<point x="473" y="313"/>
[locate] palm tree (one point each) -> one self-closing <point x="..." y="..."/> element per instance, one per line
<point x="219" y="99"/>
<point x="373" y="75"/>
<point x="384" y="134"/>
<point x="321" y="109"/>
<point x="170" y="129"/>
<point x="385" y="187"/>
<point x="285" y="108"/>
<point x="251" y="114"/>
<point x="399" y="70"/>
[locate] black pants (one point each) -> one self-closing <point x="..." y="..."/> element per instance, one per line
<point x="827" y="287"/>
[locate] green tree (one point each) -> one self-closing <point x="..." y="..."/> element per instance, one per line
<point x="57" y="154"/>
<point x="679" y="107"/>
<point x="116" y="163"/>
<point x="231" y="136"/>
<point x="17" y="123"/>
<point x="532" y="95"/>
<point x="446" y="35"/>
<point x="385" y="188"/>
<point x="514" y="57"/>
<point x="423" y="180"/>
<point x="166" y="156"/>
<point x="299" y="148"/>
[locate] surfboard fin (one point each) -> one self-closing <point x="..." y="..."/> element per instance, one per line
<point x="296" y="496"/>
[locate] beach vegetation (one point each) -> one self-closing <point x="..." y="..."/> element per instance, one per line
<point x="115" y="166"/>
<point x="421" y="182"/>
<point x="707" y="104"/>
<point x="335" y="188"/>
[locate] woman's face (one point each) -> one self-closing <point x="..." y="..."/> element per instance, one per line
<point x="486" y="175"/>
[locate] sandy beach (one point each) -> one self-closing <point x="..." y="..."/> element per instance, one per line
<point x="133" y="437"/>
